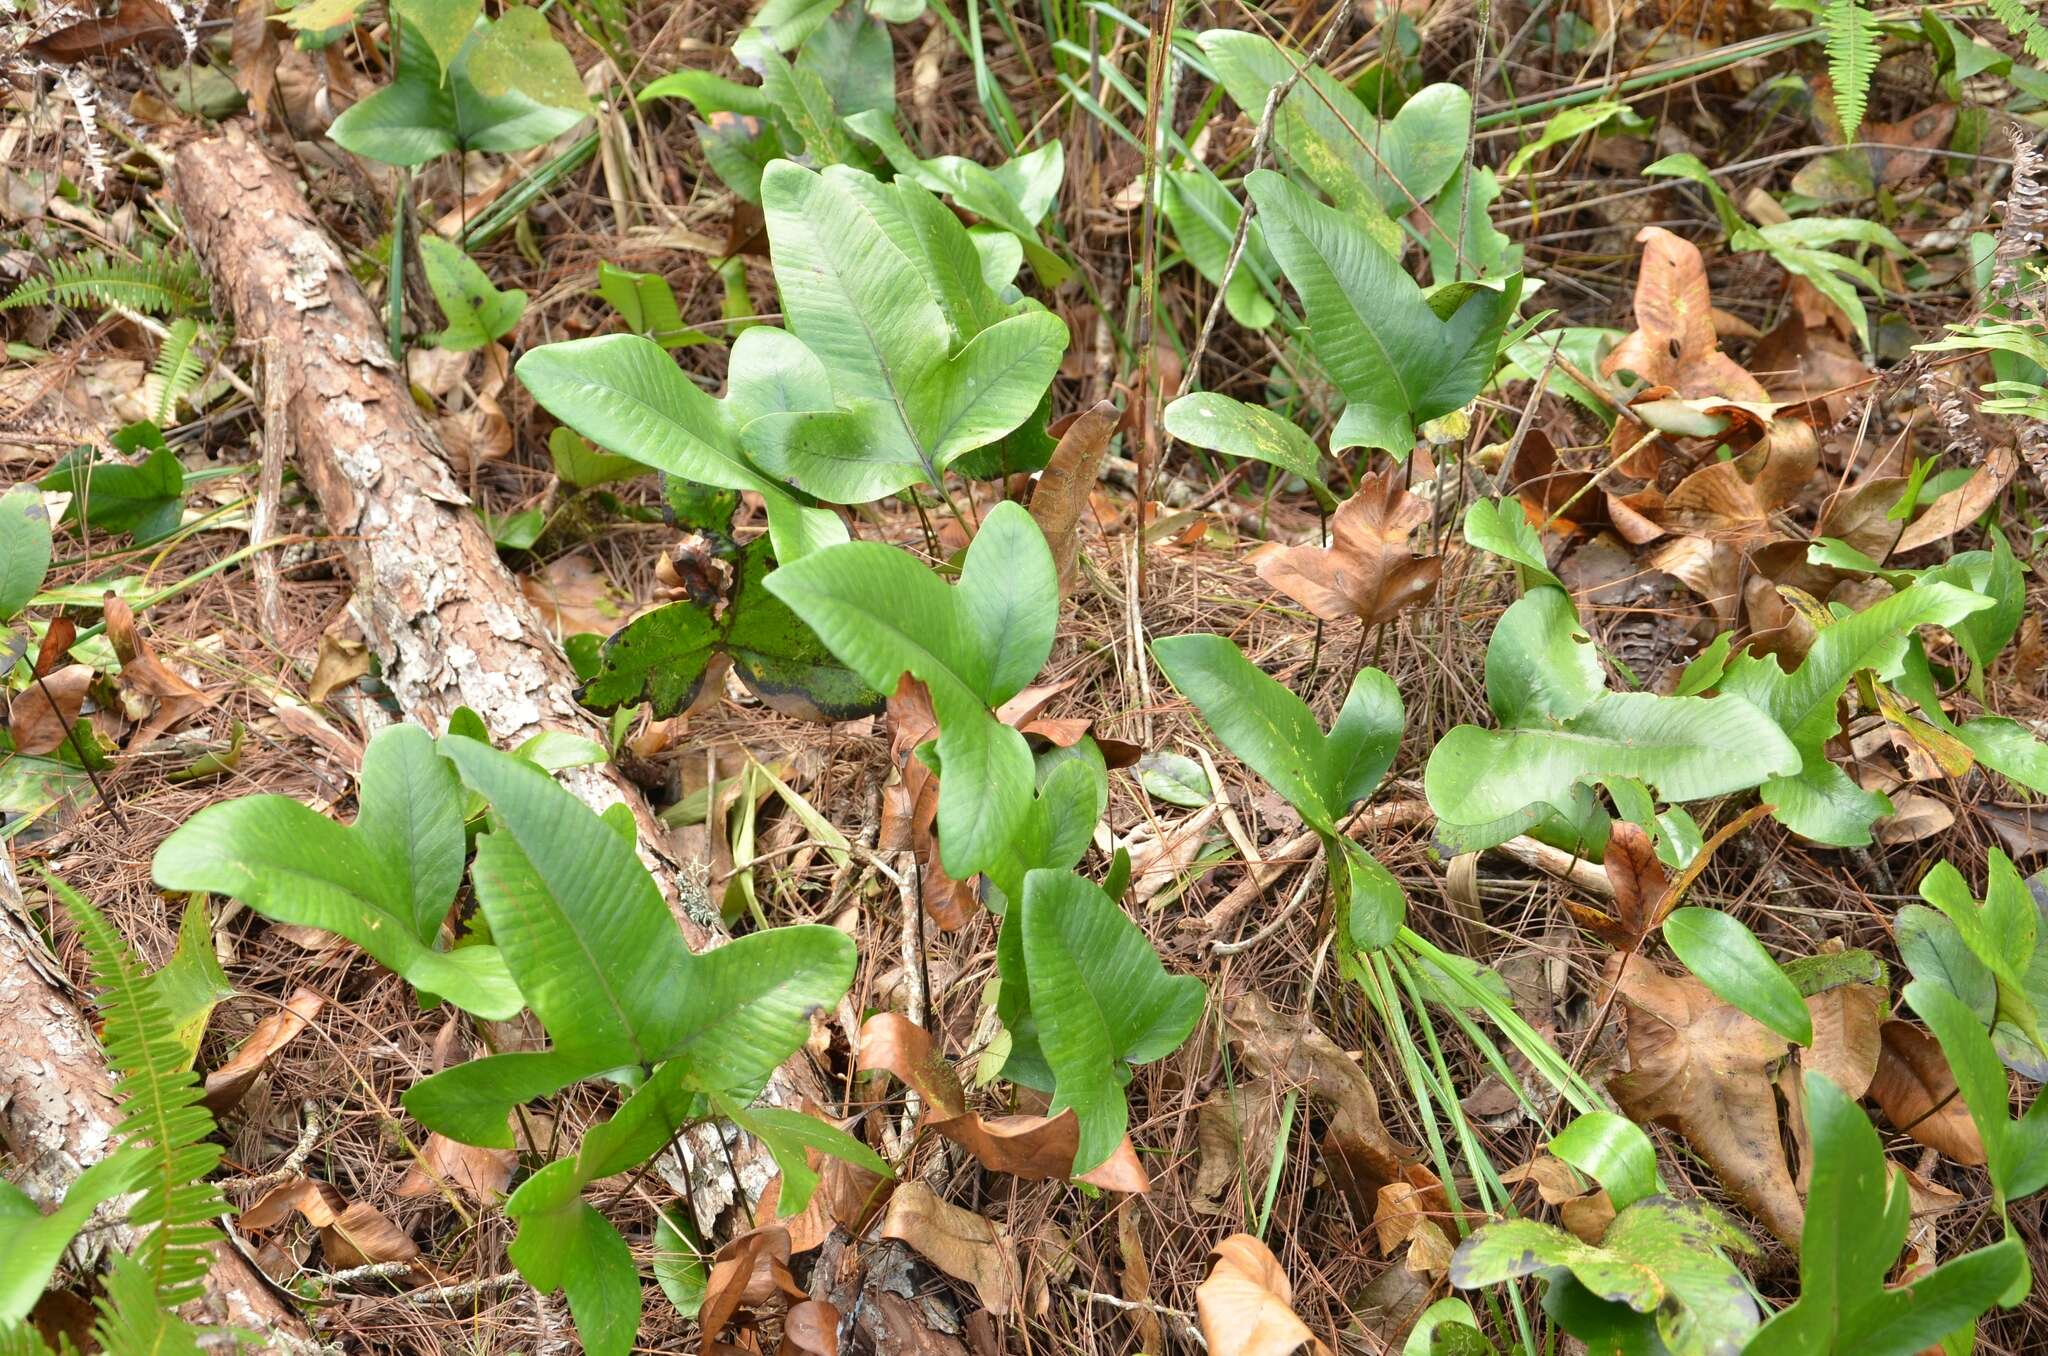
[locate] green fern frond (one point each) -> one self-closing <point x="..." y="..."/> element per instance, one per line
<point x="179" y="364"/>
<point x="21" y="1339"/>
<point x="153" y="283"/>
<point x="160" y="1108"/>
<point x="134" y="1321"/>
<point x="1852" y="59"/>
<point x="2027" y="27"/>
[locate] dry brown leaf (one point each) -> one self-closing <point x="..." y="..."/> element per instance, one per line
<point x="1917" y="1092"/>
<point x="1908" y="145"/>
<point x="964" y="1245"/>
<point x="1545" y="486"/>
<point x="1845" y="1036"/>
<point x="226" y="1085"/>
<point x="1796" y="362"/>
<point x="1035" y="1148"/>
<point x="573" y="596"/>
<point x="1061" y="495"/>
<point x="1412" y="1214"/>
<point x="1674" y="343"/>
<point x="1734" y="500"/>
<point x="1640" y="886"/>
<point x="40" y="715"/>
<point x="1247" y="1305"/>
<point x="810" y="1328"/>
<point x="1159" y="859"/>
<point x="343" y="659"/>
<point x="1915" y="815"/>
<point x="254" y="52"/>
<point x="1962" y="505"/>
<point x="1367" y="571"/>
<point x="1711" y="569"/>
<point x="351" y="1235"/>
<point x="1857" y="516"/>
<point x="135" y="21"/>
<point x="1703" y="1066"/>
<point x="164" y="697"/>
<point x="1134" y="1277"/>
<point x="747" y="1272"/>
<point x="444" y="1163"/>
<point x="1292" y="1051"/>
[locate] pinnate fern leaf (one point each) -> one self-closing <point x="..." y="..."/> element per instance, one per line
<point x="179" y="364"/>
<point x="1852" y="59"/>
<point x="153" y="283"/>
<point x="2027" y="27"/>
<point x="160" y="1109"/>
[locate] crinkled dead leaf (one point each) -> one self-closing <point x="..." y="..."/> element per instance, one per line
<point x="964" y="1245"/>
<point x="1035" y="1148"/>
<point x="1134" y="1276"/>
<point x="1415" y="1214"/>
<point x="1845" y="1046"/>
<point x="1711" y="569"/>
<point x="342" y="660"/>
<point x="134" y="22"/>
<point x="445" y="1163"/>
<point x="164" y="697"/>
<point x="351" y="1235"/>
<point x="1583" y="1207"/>
<point x="226" y="1085"/>
<point x="1735" y="500"/>
<point x="1360" y="1154"/>
<point x="42" y="713"/>
<point x="1674" y="343"/>
<point x="1367" y="571"/>
<point x="1914" y="1087"/>
<point x="1158" y="859"/>
<point x="810" y="1328"/>
<point x="1061" y="495"/>
<point x="748" y="1272"/>
<point x="1640" y="885"/>
<point x="574" y="597"/>
<point x="1705" y="1067"/>
<point x="1962" y="505"/>
<point x="1246" y="1306"/>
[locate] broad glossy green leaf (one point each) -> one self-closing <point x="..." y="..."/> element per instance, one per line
<point x="1566" y="126"/>
<point x="1175" y="779"/>
<point x="1099" y="1001"/>
<point x="419" y="116"/>
<point x="1726" y="957"/>
<point x="1204" y="217"/>
<point x="1815" y="799"/>
<point x="852" y="57"/>
<point x="24" y="548"/>
<point x="1934" y="950"/>
<point x="191" y="982"/>
<point x="605" y="968"/>
<point x="1223" y="424"/>
<point x="1660" y="1255"/>
<point x="1058" y="825"/>
<point x="1683" y="748"/>
<point x="293" y="865"/>
<point x="2016" y="1151"/>
<point x="145" y="500"/>
<point x="975" y="646"/>
<point x="1500" y="527"/>
<point x="520" y="55"/>
<point x="1447" y="1328"/>
<point x="1325" y="130"/>
<point x="569" y="1246"/>
<point x="1541" y="666"/>
<point x="679" y="1267"/>
<point x="412" y="816"/>
<point x="1856" y="1221"/>
<point x="624" y="393"/>
<point x="443" y="24"/>
<point x="661" y="657"/>
<point x="1614" y="1152"/>
<point x="1276" y="735"/>
<point x="1377" y="334"/>
<point x="788" y="1134"/>
<point x="1465" y="228"/>
<point x="908" y="401"/>
<point x="34" y="1243"/>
